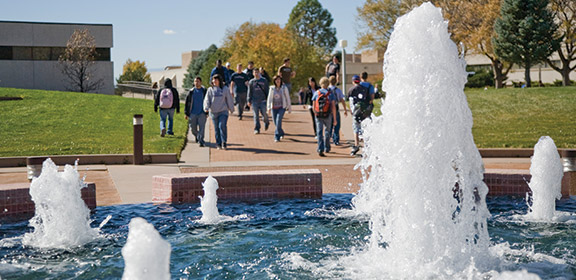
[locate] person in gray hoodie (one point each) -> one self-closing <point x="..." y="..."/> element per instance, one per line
<point x="218" y="102"/>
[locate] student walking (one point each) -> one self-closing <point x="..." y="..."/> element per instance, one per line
<point x="340" y="97"/>
<point x="286" y="72"/>
<point x="168" y="100"/>
<point x="360" y="107"/>
<point x="220" y="70"/>
<point x="257" y="96"/>
<point x="324" y="104"/>
<point x="312" y="88"/>
<point x="218" y="102"/>
<point x="278" y="103"/>
<point x="239" y="87"/>
<point x="194" y="110"/>
<point x="333" y="69"/>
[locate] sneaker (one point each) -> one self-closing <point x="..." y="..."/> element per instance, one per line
<point x="224" y="146"/>
<point x="266" y="125"/>
<point x="337" y="143"/>
<point x="355" y="150"/>
<point x="256" y="132"/>
<point x="201" y="145"/>
<point x="321" y="154"/>
<point x="282" y="137"/>
<point x="171" y="133"/>
<point x="276" y="140"/>
<point x="163" y="133"/>
<point x="327" y="150"/>
<point x="240" y="118"/>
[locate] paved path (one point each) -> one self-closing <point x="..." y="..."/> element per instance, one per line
<point x="123" y="184"/>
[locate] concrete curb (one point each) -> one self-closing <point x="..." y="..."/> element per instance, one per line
<point x="93" y="159"/>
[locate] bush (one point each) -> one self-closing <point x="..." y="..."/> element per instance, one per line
<point x="480" y="79"/>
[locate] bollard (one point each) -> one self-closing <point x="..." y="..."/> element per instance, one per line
<point x="138" y="140"/>
<point x="34" y="166"/>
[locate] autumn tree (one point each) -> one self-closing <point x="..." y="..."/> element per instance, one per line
<point x="525" y="33"/>
<point x="78" y="61"/>
<point x="196" y="65"/>
<point x="267" y="44"/>
<point x="313" y="24"/>
<point x="134" y="71"/>
<point x="565" y="15"/>
<point x="376" y="19"/>
<point x="476" y="32"/>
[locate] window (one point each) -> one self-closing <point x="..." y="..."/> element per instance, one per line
<point x="5" y="53"/>
<point x="22" y="53"/>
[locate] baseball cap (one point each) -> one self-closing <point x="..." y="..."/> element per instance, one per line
<point x="227" y="64"/>
<point x="356" y="78"/>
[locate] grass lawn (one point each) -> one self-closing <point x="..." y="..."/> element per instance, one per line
<point x="65" y="123"/>
<point x="517" y="118"/>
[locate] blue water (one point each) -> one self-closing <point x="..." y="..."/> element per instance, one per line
<point x="256" y="247"/>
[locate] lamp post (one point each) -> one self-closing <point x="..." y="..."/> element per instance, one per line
<point x="343" y="44"/>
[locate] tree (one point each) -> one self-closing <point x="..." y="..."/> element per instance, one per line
<point x="476" y="32"/>
<point x="267" y="44"/>
<point x="134" y="71"/>
<point x="196" y="65"/>
<point x="312" y="24"/>
<point x="565" y="15"/>
<point x="525" y="33"/>
<point x="77" y="62"/>
<point x="377" y="18"/>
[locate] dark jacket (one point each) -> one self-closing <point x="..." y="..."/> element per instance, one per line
<point x="188" y="103"/>
<point x="175" y="97"/>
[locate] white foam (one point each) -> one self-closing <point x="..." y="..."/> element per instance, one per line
<point x="546" y="183"/>
<point x="146" y="254"/>
<point x="61" y="218"/>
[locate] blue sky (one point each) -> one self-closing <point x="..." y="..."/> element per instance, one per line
<point x="157" y="32"/>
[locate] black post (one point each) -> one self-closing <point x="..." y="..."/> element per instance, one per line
<point x="138" y="140"/>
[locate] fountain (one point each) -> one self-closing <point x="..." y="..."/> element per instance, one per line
<point x="146" y="254"/>
<point x="547" y="172"/>
<point x="425" y="196"/>
<point x="61" y="218"/>
<point x="208" y="203"/>
<point x="421" y="213"/>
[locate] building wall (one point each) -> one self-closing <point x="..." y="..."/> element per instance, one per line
<point x="43" y="72"/>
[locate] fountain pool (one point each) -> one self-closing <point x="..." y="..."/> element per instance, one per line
<point x="279" y="239"/>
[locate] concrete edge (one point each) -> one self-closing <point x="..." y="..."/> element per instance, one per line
<point x="93" y="159"/>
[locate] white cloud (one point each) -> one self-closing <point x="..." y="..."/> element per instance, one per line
<point x="169" y="32"/>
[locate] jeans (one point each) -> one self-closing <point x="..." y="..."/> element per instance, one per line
<point x="324" y="125"/>
<point x="197" y="123"/>
<point x="277" y="115"/>
<point x="258" y="108"/>
<point x="220" y="121"/>
<point x="335" y="131"/>
<point x="240" y="99"/>
<point x="170" y="114"/>
<point x="313" y="120"/>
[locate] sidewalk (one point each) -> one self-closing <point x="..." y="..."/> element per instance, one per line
<point x="125" y="184"/>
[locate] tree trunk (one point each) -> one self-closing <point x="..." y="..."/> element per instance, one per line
<point x="566" y="75"/>
<point x="497" y="67"/>
<point x="527" y="67"/>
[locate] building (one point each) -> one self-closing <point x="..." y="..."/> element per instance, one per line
<point x="175" y="73"/>
<point x="540" y="72"/>
<point x="29" y="54"/>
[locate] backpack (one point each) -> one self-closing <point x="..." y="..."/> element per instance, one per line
<point x="166" y="98"/>
<point x="322" y="104"/>
<point x="361" y="100"/>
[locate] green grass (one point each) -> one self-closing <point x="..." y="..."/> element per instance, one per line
<point x="65" y="123"/>
<point x="517" y="118"/>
